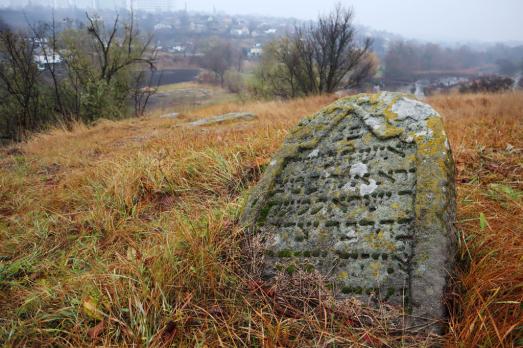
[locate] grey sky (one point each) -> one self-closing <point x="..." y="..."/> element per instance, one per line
<point x="478" y="20"/>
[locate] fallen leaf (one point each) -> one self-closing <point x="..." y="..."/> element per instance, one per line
<point x="254" y="285"/>
<point x="95" y="331"/>
<point x="169" y="332"/>
<point x="351" y="323"/>
<point x="90" y="308"/>
<point x="373" y="341"/>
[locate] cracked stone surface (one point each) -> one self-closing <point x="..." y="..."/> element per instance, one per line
<point x="363" y="192"/>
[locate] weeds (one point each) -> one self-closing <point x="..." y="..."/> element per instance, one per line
<point x="486" y="133"/>
<point x="126" y="234"/>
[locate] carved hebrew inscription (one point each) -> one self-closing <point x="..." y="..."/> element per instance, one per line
<point x="363" y="192"/>
<point x="346" y="207"/>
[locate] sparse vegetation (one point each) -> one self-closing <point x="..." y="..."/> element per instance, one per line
<point x="219" y="57"/>
<point x="485" y="131"/>
<point x="126" y="234"/>
<point x="316" y="59"/>
<point x="409" y="61"/>
<point x="49" y="77"/>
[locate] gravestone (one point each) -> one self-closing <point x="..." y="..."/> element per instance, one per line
<point x="363" y="192"/>
<point x="233" y="116"/>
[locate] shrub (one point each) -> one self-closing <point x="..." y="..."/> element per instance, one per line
<point x="233" y="81"/>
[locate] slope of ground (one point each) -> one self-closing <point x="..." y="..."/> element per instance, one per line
<point x="125" y="233"/>
<point x="186" y="96"/>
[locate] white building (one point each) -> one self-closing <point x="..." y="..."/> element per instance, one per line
<point x="43" y="60"/>
<point x="240" y="32"/>
<point x="255" y="52"/>
<point x="162" y="26"/>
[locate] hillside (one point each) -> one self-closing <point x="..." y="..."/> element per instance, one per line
<point x="126" y="233"/>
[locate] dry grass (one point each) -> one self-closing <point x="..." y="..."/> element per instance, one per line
<point x="486" y="132"/>
<point x="125" y="234"/>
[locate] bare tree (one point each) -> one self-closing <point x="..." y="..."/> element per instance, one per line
<point x="297" y="62"/>
<point x="101" y="74"/>
<point x="105" y="66"/>
<point x="117" y="53"/>
<point x="336" y="51"/>
<point x="324" y="56"/>
<point x="218" y="58"/>
<point x="143" y="89"/>
<point x="44" y="34"/>
<point x="19" y="84"/>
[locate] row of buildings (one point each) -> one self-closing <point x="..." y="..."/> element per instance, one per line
<point x="218" y="23"/>
<point x="180" y="32"/>
<point x="141" y="5"/>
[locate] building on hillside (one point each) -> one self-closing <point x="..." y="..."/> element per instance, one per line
<point x="242" y="31"/>
<point x="162" y="26"/>
<point x="255" y="52"/>
<point x="44" y="59"/>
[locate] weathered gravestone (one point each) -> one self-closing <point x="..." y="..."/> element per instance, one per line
<point x="233" y="116"/>
<point x="363" y="192"/>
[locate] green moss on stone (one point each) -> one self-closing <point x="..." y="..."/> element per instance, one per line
<point x="264" y="213"/>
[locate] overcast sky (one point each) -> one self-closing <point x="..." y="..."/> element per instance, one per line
<point x="478" y="20"/>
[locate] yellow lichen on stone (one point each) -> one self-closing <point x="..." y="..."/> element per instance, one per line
<point x="390" y="115"/>
<point x="375" y="269"/>
<point x="367" y="138"/>
<point x="343" y="276"/>
<point x="379" y="241"/>
<point x="343" y="145"/>
<point x="391" y="131"/>
<point x="374" y="99"/>
<point x="354" y="213"/>
<point x="432" y="171"/>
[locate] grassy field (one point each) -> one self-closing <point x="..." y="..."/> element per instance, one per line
<point x="126" y="234"/>
<point x="183" y="97"/>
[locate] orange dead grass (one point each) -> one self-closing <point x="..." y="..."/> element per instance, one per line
<point x="125" y="234"/>
<point x="486" y="132"/>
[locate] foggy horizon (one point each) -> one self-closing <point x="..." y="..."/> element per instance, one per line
<point x="464" y="20"/>
<point x="445" y="20"/>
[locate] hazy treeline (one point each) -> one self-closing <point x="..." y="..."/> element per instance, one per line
<point x="84" y="67"/>
<point x="410" y="60"/>
<point x="50" y="76"/>
<point x="223" y="59"/>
